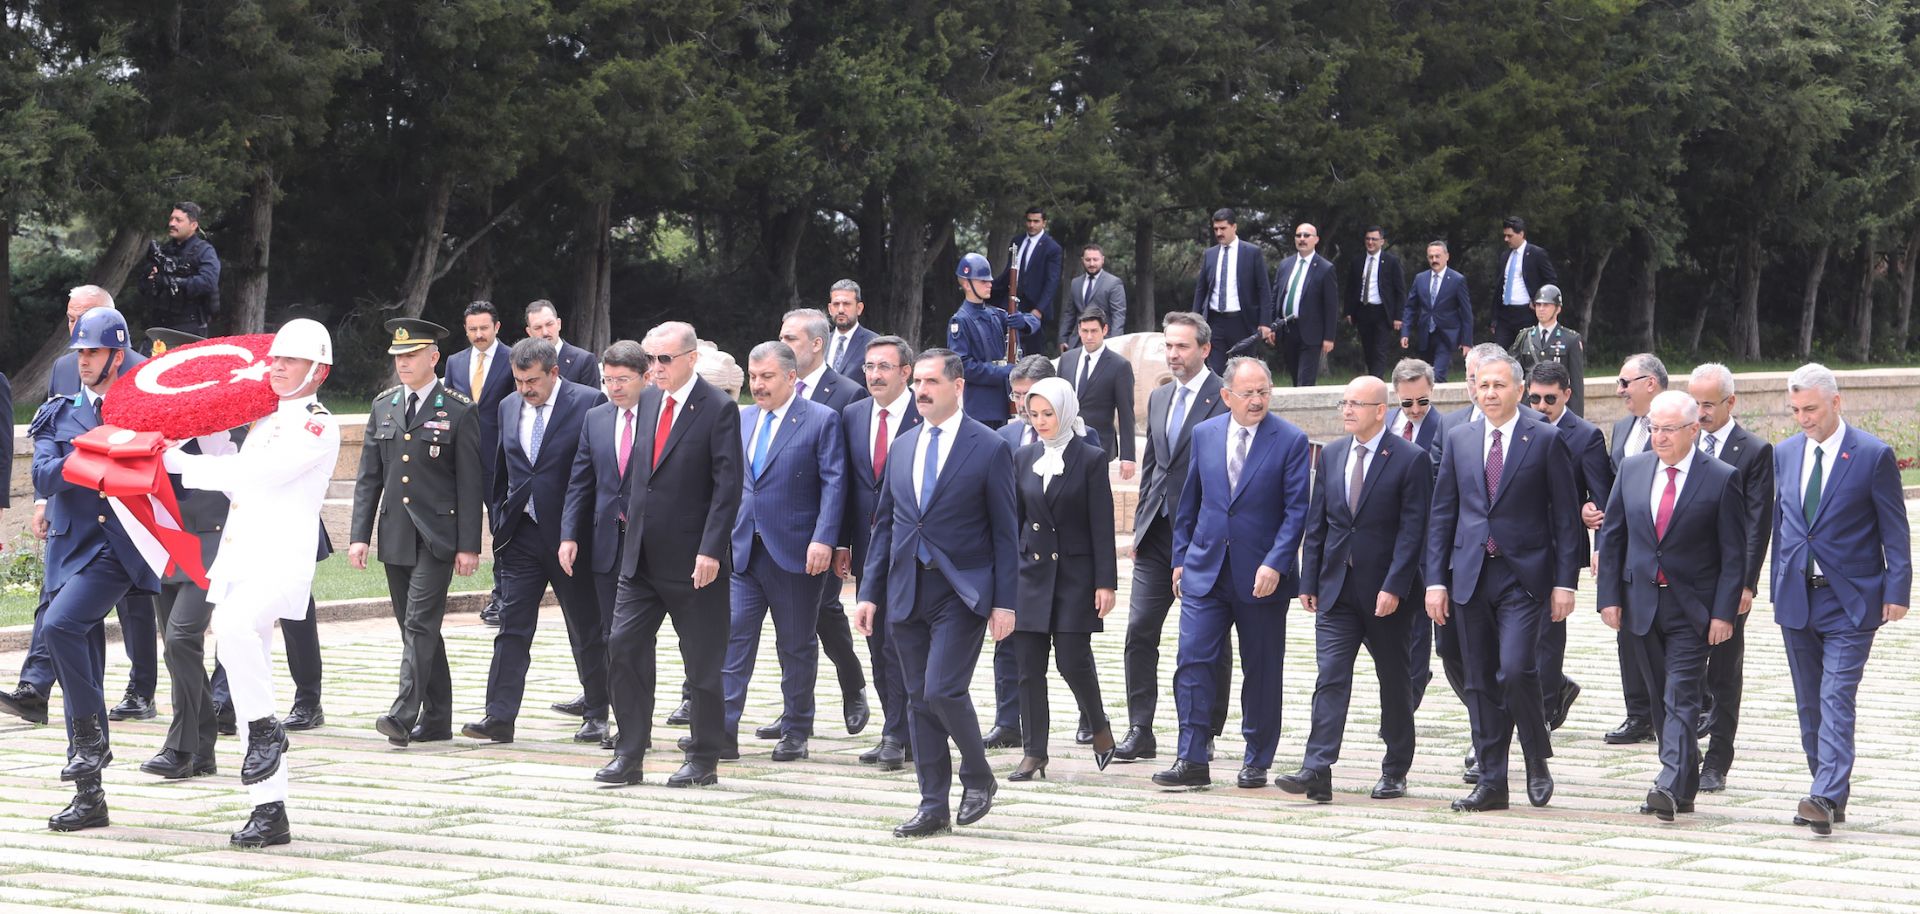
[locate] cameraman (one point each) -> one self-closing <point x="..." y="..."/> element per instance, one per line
<point x="183" y="275"/>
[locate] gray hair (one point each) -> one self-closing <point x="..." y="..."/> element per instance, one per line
<point x="1031" y="368"/>
<point x="812" y="320"/>
<point x="1486" y="351"/>
<point x="1648" y="363"/>
<point x="1202" y="332"/>
<point x="900" y="346"/>
<point x="1500" y="358"/>
<point x="91" y="293"/>
<point x="1688" y="407"/>
<point x="951" y="367"/>
<point x="777" y="351"/>
<point x="846" y="285"/>
<point x="1437" y="244"/>
<point x="625" y="354"/>
<point x="534" y="351"/>
<point x="1412" y="370"/>
<point x="1720" y="375"/>
<point x="1813" y="376"/>
<point x="1239" y="361"/>
<point x="675" y="330"/>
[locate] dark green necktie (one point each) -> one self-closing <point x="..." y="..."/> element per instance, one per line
<point x="1810" y="503"/>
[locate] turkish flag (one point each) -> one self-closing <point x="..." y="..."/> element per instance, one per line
<point x="125" y="466"/>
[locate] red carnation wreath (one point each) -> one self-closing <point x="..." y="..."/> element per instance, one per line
<point x="197" y="389"/>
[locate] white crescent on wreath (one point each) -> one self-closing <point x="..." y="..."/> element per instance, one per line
<point x="150" y="380"/>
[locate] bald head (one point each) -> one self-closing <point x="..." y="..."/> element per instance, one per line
<point x="1363" y="408"/>
<point x="1305" y="238"/>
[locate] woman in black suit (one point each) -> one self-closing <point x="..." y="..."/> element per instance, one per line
<point x="1067" y="569"/>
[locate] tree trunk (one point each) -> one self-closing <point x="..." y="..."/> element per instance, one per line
<point x="1803" y="346"/>
<point x="908" y="257"/>
<point x="1863" y="304"/>
<point x="871" y="269"/>
<point x="248" y="313"/>
<point x="1903" y="322"/>
<point x="1141" y="307"/>
<point x="784" y="232"/>
<point x="426" y="247"/>
<point x="1746" y="314"/>
<point x="1590" y="291"/>
<point x="480" y="266"/>
<point x="1699" y="326"/>
<point x="6" y="280"/>
<point x="109" y="272"/>
<point x="1643" y="292"/>
<point x="592" y="325"/>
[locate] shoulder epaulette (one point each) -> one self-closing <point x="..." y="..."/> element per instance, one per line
<point x="455" y="395"/>
<point x="43" y="416"/>
<point x="387" y="393"/>
<point x="316" y="409"/>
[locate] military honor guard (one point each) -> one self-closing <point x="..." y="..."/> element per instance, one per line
<point x="1551" y="341"/>
<point x="977" y="332"/>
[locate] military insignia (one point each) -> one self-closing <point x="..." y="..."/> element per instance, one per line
<point x="401" y="334"/>
<point x="316" y="428"/>
<point x="953" y="327"/>
<point x="159" y="349"/>
<point x="440" y="415"/>
<point x="316" y="409"/>
<point x="433" y="450"/>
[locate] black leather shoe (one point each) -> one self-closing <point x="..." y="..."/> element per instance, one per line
<point x="592" y="730"/>
<point x="1539" y="782"/>
<point x="1137" y="744"/>
<point x="421" y="733"/>
<point x="791" y="748"/>
<point x="1484" y="798"/>
<point x="1818" y="813"/>
<point x="225" y="722"/>
<point x="490" y="613"/>
<point x="872" y="756"/>
<point x="303" y="717"/>
<point x="87" y="810"/>
<point x="132" y="706"/>
<point x="267" y="827"/>
<point x="1314" y="785"/>
<point x="25" y="702"/>
<point x="854" y="707"/>
<point x="1684" y="807"/>
<point x="1563" y="704"/>
<point x="266" y="743"/>
<point x="681" y="716"/>
<point x="1631" y="730"/>
<point x="1471" y="774"/>
<point x="1712" y="781"/>
<point x="391" y="728"/>
<point x="607" y="741"/>
<point x="974" y="804"/>
<point x="1002" y="738"/>
<point x="87" y="751"/>
<point x="576" y="707"/>
<point x="1251" y="777"/>
<point x="1839" y="817"/>
<point x="694" y="774"/>
<point x="773" y="730"/>
<point x="491" y="729"/>
<point x="1703" y="725"/>
<point x="892" y="757"/>
<point x="921" y="825"/>
<point x="624" y="769"/>
<point x="1661" y="804"/>
<point x="1030" y="768"/>
<point x="1390" y="787"/>
<point x="1184" y="774"/>
<point x="175" y="765"/>
<point x="728" y="754"/>
<point x="1084" y="735"/>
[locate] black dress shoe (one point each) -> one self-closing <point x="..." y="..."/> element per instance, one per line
<point x="1390" y="787"/>
<point x="132" y="706"/>
<point x="1184" y="774"/>
<point x="1684" y="807"/>
<point x="726" y="754"/>
<point x="975" y="803"/>
<point x="774" y="730"/>
<point x="491" y="729"/>
<point x="607" y="741"/>
<point x="921" y="825"/>
<point x="1483" y="798"/>
<point x="1471" y="774"/>
<point x="266" y="743"/>
<point x="87" y="750"/>
<point x="25" y="702"/>
<point x="1818" y="813"/>
<point x="791" y="748"/>
<point x="421" y="733"/>
<point x="1084" y="735"/>
<point x="1314" y="785"/>
<point x="490" y="613"/>
<point x="1137" y="744"/>
<point x="592" y="730"/>
<point x="391" y="728"/>
<point x="87" y="810"/>
<point x="175" y="765"/>
<point x="694" y="774"/>
<point x="872" y="756"/>
<point x="892" y="757"/>
<point x="681" y="716"/>
<point x="1029" y="768"/>
<point x="1712" y="781"/>
<point x="1563" y="703"/>
<point x="624" y="769"/>
<point x="576" y="707"/>
<point x="854" y="707"/>
<point x="1703" y="725"/>
<point x="225" y="722"/>
<point x="304" y="717"/>
<point x="1539" y="782"/>
<point x="1661" y="803"/>
<point x="1251" y="777"/>
<point x="267" y="827"/>
<point x="1631" y="730"/>
<point x="1002" y="738"/>
<point x="1839" y="817"/>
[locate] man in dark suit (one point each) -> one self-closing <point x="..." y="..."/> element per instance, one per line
<point x="1673" y="508"/>
<point x="481" y="372"/>
<point x="1842" y="567"/>
<point x="1365" y="525"/>
<point x="1414" y="419"/>
<point x="1642" y="376"/>
<point x="1524" y="269"/>
<point x="789" y="521"/>
<point x="871" y="428"/>
<point x="1752" y="458"/>
<point x="1376" y="292"/>
<point x="1172" y="412"/>
<point x="683" y="494"/>
<point x="1037" y="256"/>
<point x="1232" y="290"/>
<point x="942" y="570"/>
<point x="850" y="337"/>
<point x="1103" y="380"/>
<point x="1549" y="389"/>
<point x="1234" y="558"/>
<point x="1436" y="321"/>
<point x="533" y="464"/>
<point x="1305" y="311"/>
<point x="1503" y="554"/>
<point x="576" y="364"/>
<point x="1095" y="289"/>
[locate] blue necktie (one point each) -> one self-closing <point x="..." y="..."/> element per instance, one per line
<point x="760" y="444"/>
<point x="929" y="474"/>
<point x="539" y="431"/>
<point x="1179" y="416"/>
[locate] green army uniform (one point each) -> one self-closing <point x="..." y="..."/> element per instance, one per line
<point x="1561" y="345"/>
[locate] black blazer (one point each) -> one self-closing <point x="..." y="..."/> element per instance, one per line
<point x="1703" y="552"/>
<point x="542" y="481"/>
<point x="686" y="506"/>
<point x="1319" y="298"/>
<point x="1107" y="395"/>
<point x="579" y="366"/>
<point x="595" y="489"/>
<point x="1592" y="467"/>
<point x="1752" y="459"/>
<point x="852" y="361"/>
<point x="863" y="488"/>
<point x="6" y="453"/>
<point x="1393" y="286"/>
<point x="836" y="390"/>
<point x="1380" y="546"/>
<point x="1431" y="436"/>
<point x="1250" y="272"/>
<point x="1163" y="468"/>
<point x="1066" y="540"/>
<point x="1536" y="270"/>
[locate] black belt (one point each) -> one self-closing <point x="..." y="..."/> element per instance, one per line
<point x="1816" y="581"/>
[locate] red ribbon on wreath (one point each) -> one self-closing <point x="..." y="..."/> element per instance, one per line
<point x="125" y="466"/>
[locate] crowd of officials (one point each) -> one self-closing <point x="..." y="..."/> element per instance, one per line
<point x="966" y="493"/>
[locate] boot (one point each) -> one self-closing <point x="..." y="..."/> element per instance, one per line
<point x="88" y="809"/>
<point x="89" y="752"/>
<point x="266" y="741"/>
<point x="265" y="828"/>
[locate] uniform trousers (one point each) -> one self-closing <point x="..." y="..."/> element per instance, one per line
<point x="76" y="636"/>
<point x="419" y="593"/>
<point x="183" y="616"/>
<point x="243" y="632"/>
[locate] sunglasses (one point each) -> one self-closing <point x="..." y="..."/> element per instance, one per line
<point x="1408" y="404"/>
<point x="666" y="359"/>
<point x="1626" y="381"/>
<point x="1548" y="399"/>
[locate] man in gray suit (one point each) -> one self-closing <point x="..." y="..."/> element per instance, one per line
<point x="1096" y="288"/>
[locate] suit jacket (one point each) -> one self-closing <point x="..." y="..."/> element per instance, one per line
<point x="1108" y="395"/>
<point x="596" y="492"/>
<point x="1377" y="547"/>
<point x="1617" y="444"/>
<point x="79" y="528"/>
<point x="1859" y="534"/>
<point x="1014" y="433"/>
<point x="1066" y="540"/>
<point x="1109" y="294"/>
<point x="1039" y="285"/>
<point x="1261" y="522"/>
<point x="800" y="496"/>
<point x="836" y="390"/>
<point x="1163" y="468"/>
<point x="1450" y="313"/>
<point x="1702" y="553"/>
<point x="970" y="527"/>
<point x="1592" y="469"/>
<point x="542" y="481"/>
<point x="684" y="507"/>
<point x="1391" y="280"/>
<point x="852" y="361"/>
<point x="1752" y="458"/>
<point x="1319" y="304"/>
<point x="1536" y="270"/>
<point x="1431" y="436"/>
<point x="494" y="388"/>
<point x="578" y="365"/>
<point x="1250" y="272"/>
<point x="1534" y="517"/>
<point x="863" y="488"/>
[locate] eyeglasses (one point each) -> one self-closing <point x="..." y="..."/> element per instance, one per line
<point x="1359" y="404"/>
<point x="1303" y="234"/>
<point x="881" y="367"/>
<point x="1408" y="404"/>
<point x="666" y="359"/>
<point x="1624" y="382"/>
<point x="1709" y="404"/>
<point x="617" y="380"/>
<point x="1263" y="393"/>
<point x="1548" y="399"/>
<point x="1669" y="429"/>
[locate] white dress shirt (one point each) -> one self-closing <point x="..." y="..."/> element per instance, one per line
<point x="1660" y="483"/>
<point x="1636" y="436"/>
<point x="1233" y="440"/>
<point x="1516" y="270"/>
<point x="1372" y="279"/>
<point x="753" y="437"/>
<point x="948" y="431"/>
<point x="485" y="359"/>
<point x="679" y="398"/>
<point x="527" y="414"/>
<point x="1193" y="399"/>
<point x="1402" y="422"/>
<point x="1089" y="358"/>
<point x="620" y="419"/>
<point x="838" y="340"/>
<point x="1506" y="441"/>
<point x="1719" y="439"/>
<point x="1227" y="278"/>
<point x="812" y="380"/>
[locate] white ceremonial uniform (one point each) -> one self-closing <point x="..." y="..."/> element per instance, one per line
<point x="264" y="571"/>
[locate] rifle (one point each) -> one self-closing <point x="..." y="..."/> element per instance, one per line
<point x="1013" y="299"/>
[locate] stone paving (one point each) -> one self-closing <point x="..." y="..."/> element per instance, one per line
<point x="462" y="826"/>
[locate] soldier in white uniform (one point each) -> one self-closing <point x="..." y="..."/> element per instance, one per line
<point x="264" y="570"/>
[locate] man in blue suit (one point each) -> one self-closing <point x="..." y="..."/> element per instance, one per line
<point x="1842" y="566"/>
<point x="1305" y="312"/>
<point x="847" y="351"/>
<point x="1236" y="535"/>
<point x="942" y="568"/>
<point x="1232" y="290"/>
<point x="1438" y="316"/>
<point x="533" y="464"/>
<point x="1037" y="256"/>
<point x="481" y="372"/>
<point x="1503" y="555"/>
<point x="792" y="498"/>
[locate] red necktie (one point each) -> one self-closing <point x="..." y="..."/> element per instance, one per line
<point x="1408" y="430"/>
<point x="880" y="439"/>
<point x="626" y="441"/>
<point x="1665" y="515"/>
<point x="1496" y="466"/>
<point x="660" y="434"/>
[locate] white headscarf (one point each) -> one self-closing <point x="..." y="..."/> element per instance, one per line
<point x="1066" y="410"/>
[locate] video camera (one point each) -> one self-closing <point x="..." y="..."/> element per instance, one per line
<point x="170" y="269"/>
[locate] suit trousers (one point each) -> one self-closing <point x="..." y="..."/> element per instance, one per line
<point x="1073" y="656"/>
<point x="794" y="601"/>
<point x="1205" y="622"/>
<point x="1229" y="328"/>
<point x="301" y="638"/>
<point x="1553" y="663"/>
<point x="243" y="634"/>
<point x="138" y="634"/>
<point x="419" y="594"/>
<point x="1339" y="632"/>
<point x="1301" y="355"/>
<point x="1377" y="337"/>
<point x="1419" y="656"/>
<point x="1633" y="682"/>
<point x="836" y="638"/>
<point x="1006" y="685"/>
<point x="1150" y="597"/>
<point x="887" y="682"/>
<point x="938" y="646"/>
<point x="1499" y="650"/>
<point x="183" y="615"/>
<point x="1726" y="679"/>
<point x="1440" y="349"/>
<point x="1826" y="660"/>
<point x="701" y="620"/>
<point x="76" y="637"/>
<point x="524" y="569"/>
<point x="1674" y="654"/>
<point x="1510" y="320"/>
